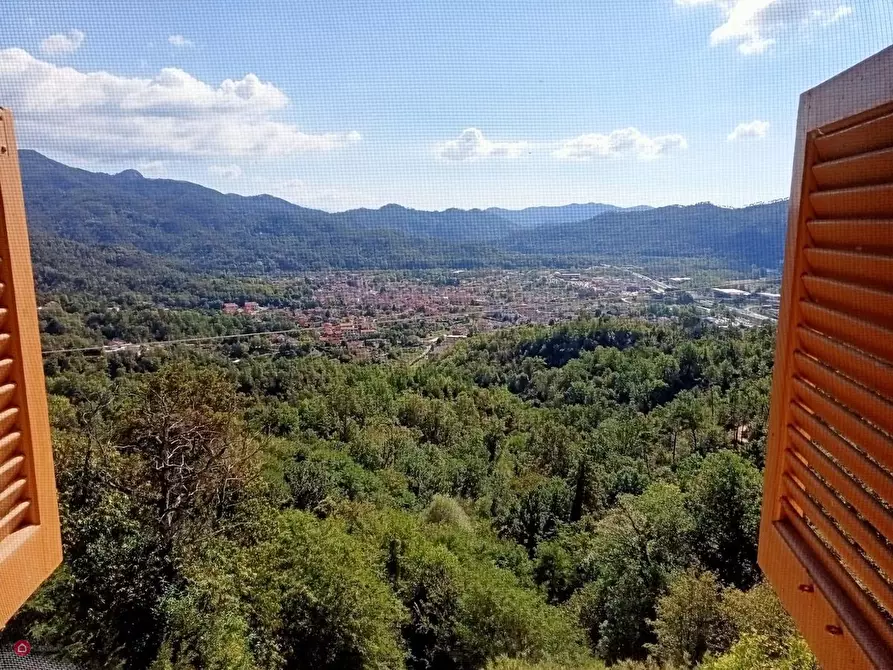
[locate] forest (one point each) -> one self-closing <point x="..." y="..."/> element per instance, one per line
<point x="542" y="498"/>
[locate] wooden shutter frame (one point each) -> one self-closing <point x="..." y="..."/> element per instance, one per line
<point x="30" y="553"/>
<point x="835" y="628"/>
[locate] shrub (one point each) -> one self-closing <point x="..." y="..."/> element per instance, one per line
<point x="446" y="510"/>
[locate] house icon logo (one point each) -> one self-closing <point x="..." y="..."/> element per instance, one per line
<point x="22" y="648"/>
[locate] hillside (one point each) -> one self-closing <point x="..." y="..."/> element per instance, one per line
<point x="738" y="237"/>
<point x="199" y="229"/>
<point x="217" y="232"/>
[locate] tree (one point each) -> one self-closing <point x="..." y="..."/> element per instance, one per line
<point x="538" y="513"/>
<point x="724" y="499"/>
<point x="751" y="653"/>
<point x="182" y="430"/>
<point x="563" y="564"/>
<point x="759" y="612"/>
<point x="315" y="599"/>
<point x="638" y="546"/>
<point x="464" y="610"/>
<point x="688" y="415"/>
<point x="690" y="619"/>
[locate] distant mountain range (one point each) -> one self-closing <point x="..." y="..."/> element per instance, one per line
<point x="200" y="229"/>
<point x="533" y="217"/>
<point x="738" y="237"/>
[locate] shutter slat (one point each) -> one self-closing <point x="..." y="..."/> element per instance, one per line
<point x="848" y="553"/>
<point x="7" y="393"/>
<point x="852" y="490"/>
<point x="3" y="315"/>
<point x="10" y="469"/>
<point x="10" y="496"/>
<point x="865" y="335"/>
<point x="8" y="445"/>
<point x="5" y="369"/>
<point x="870" y="304"/>
<point x="878" y="479"/>
<point x="866" y="370"/>
<point x="875" y="167"/>
<point x="863" y="269"/>
<point x="854" y="203"/>
<point x="13" y="519"/>
<point x="838" y="586"/>
<point x="7" y="419"/>
<point x="843" y="517"/>
<point x="864" y="137"/>
<point x="861" y="233"/>
<point x="870" y="440"/>
<point x="852" y="395"/>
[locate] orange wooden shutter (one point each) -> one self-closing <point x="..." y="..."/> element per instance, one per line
<point x="827" y="526"/>
<point x="30" y="545"/>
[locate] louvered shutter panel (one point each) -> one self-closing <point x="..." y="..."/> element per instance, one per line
<point x="30" y="546"/>
<point x="827" y="526"/>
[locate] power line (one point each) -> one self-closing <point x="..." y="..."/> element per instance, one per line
<point x="164" y="343"/>
<point x="104" y="348"/>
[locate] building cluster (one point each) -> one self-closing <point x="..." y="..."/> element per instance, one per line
<point x="373" y="311"/>
<point x="768" y="302"/>
<point x="349" y="330"/>
<point x="249" y="308"/>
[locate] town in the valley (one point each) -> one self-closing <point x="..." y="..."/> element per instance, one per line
<point x="375" y="314"/>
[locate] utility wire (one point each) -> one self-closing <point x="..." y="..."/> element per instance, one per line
<point x="164" y="343"/>
<point x="103" y="348"/>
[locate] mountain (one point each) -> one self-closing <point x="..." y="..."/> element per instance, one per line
<point x="547" y="216"/>
<point x="737" y="237"/>
<point x="212" y="231"/>
<point x="452" y="225"/>
<point x="129" y="220"/>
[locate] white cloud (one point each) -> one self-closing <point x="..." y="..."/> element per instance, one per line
<point x="755" y="24"/>
<point x="180" y="41"/>
<point x="622" y="142"/>
<point x="472" y="145"/>
<point x="828" y="17"/>
<point x="292" y="186"/>
<point x="225" y="171"/>
<point x="154" y="169"/>
<point x="750" y="129"/>
<point x="62" y="43"/>
<point x="330" y="197"/>
<point x="107" y="116"/>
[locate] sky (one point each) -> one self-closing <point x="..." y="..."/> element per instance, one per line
<point x="342" y="104"/>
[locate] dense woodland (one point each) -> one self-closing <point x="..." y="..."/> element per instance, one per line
<point x="540" y="498"/>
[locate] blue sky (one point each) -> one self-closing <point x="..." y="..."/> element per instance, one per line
<point x="433" y="104"/>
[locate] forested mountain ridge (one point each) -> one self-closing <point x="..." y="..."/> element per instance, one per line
<point x="740" y="237"/>
<point x="211" y="231"/>
<point x="204" y="230"/>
